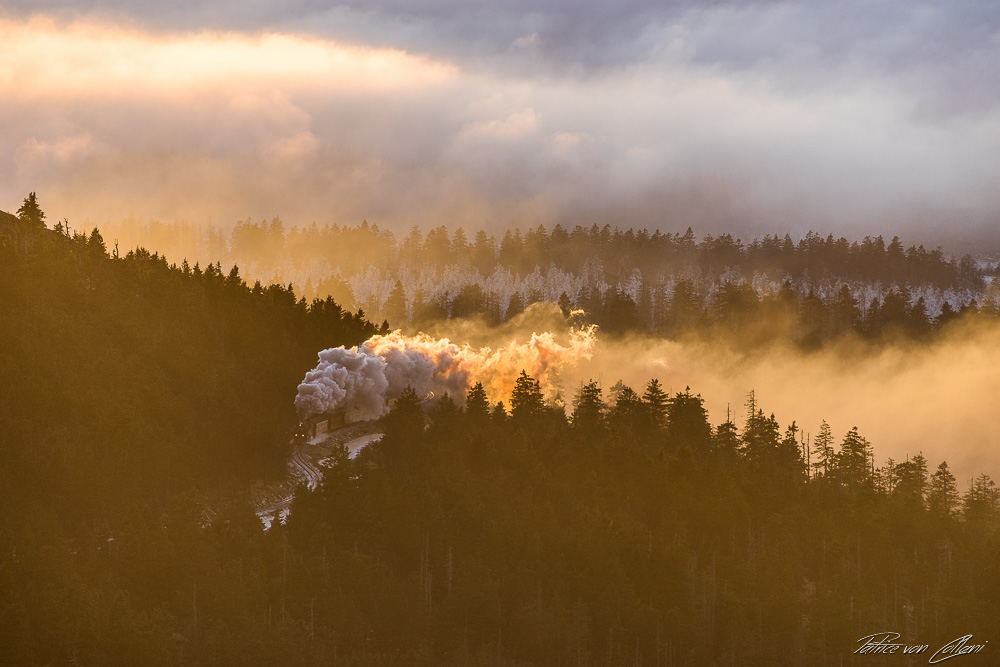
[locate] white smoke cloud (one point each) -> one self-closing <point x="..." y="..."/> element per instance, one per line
<point x="349" y="379"/>
<point x="362" y="380"/>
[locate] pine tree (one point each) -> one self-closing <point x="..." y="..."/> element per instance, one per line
<point x="822" y="450"/>
<point x="789" y="454"/>
<point x="96" y="245"/>
<point x="887" y="477"/>
<point x="853" y="468"/>
<point x="759" y="439"/>
<point x="233" y="280"/>
<point x="920" y="324"/>
<point x="477" y="407"/>
<point x="845" y="315"/>
<point x="564" y="304"/>
<point x="499" y="415"/>
<point x="942" y="497"/>
<point x="395" y="306"/>
<point x="404" y="426"/>
<point x="31" y="213"/>
<point x="526" y="399"/>
<point x="628" y="408"/>
<point x="589" y="408"/>
<point x="687" y="422"/>
<point x="727" y="439"/>
<point x="444" y="416"/>
<point x="515" y="306"/>
<point x="655" y="401"/>
<point x="911" y="484"/>
<point x="981" y="503"/>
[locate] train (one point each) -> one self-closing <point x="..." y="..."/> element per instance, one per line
<point x="317" y="425"/>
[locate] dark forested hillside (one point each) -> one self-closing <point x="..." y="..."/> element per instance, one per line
<point x="632" y="531"/>
<point x="125" y="377"/>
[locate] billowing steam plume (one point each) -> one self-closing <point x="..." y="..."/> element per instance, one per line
<point x="362" y="380"/>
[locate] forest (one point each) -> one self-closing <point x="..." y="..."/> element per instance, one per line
<point x="813" y="291"/>
<point x="142" y="398"/>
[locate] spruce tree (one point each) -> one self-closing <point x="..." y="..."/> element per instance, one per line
<point x="626" y="411"/>
<point x="655" y="401"/>
<point x="911" y="484"/>
<point x="942" y="496"/>
<point x="395" y="306"/>
<point x="687" y="421"/>
<point x="477" y="406"/>
<point x="981" y="503"/>
<point x="589" y="408"/>
<point x="822" y="450"/>
<point x="853" y="462"/>
<point x="499" y="414"/>
<point x="526" y="399"/>
<point x="31" y="213"/>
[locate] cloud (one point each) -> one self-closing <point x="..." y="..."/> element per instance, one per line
<point x="753" y="119"/>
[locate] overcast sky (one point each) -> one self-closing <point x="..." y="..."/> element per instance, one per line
<point x="750" y="117"/>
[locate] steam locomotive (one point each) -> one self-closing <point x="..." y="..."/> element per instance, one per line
<point x="317" y="425"/>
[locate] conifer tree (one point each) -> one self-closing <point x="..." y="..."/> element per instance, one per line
<point x="395" y="306"/>
<point x="759" y="439"/>
<point x="887" y="476"/>
<point x="589" y="408"/>
<point x="477" y="407"/>
<point x="853" y="462"/>
<point x="788" y="460"/>
<point x="911" y="484"/>
<point x="565" y="307"/>
<point x="655" y="401"/>
<point x="515" y="307"/>
<point x="822" y="450"/>
<point x="404" y="426"/>
<point x="981" y="503"/>
<point x="687" y="421"/>
<point x="942" y="496"/>
<point x="727" y="439"/>
<point x="499" y="415"/>
<point x="626" y="412"/>
<point x="31" y="213"/>
<point x="96" y="245"/>
<point x="444" y="415"/>
<point x="526" y="399"/>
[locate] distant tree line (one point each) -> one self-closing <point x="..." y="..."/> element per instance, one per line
<point x="617" y="253"/>
<point x="814" y="290"/>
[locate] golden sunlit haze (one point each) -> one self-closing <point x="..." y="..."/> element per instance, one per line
<point x="47" y="58"/>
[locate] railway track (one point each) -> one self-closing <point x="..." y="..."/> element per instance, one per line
<point x="275" y="500"/>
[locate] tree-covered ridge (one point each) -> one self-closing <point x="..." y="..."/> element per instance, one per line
<point x="816" y="289"/>
<point x="634" y="530"/>
<point x="131" y="377"/>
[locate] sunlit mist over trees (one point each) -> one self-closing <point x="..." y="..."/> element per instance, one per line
<point x="574" y="334"/>
<point x="147" y="419"/>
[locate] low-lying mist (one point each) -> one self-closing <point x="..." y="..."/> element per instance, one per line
<point x="938" y="398"/>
